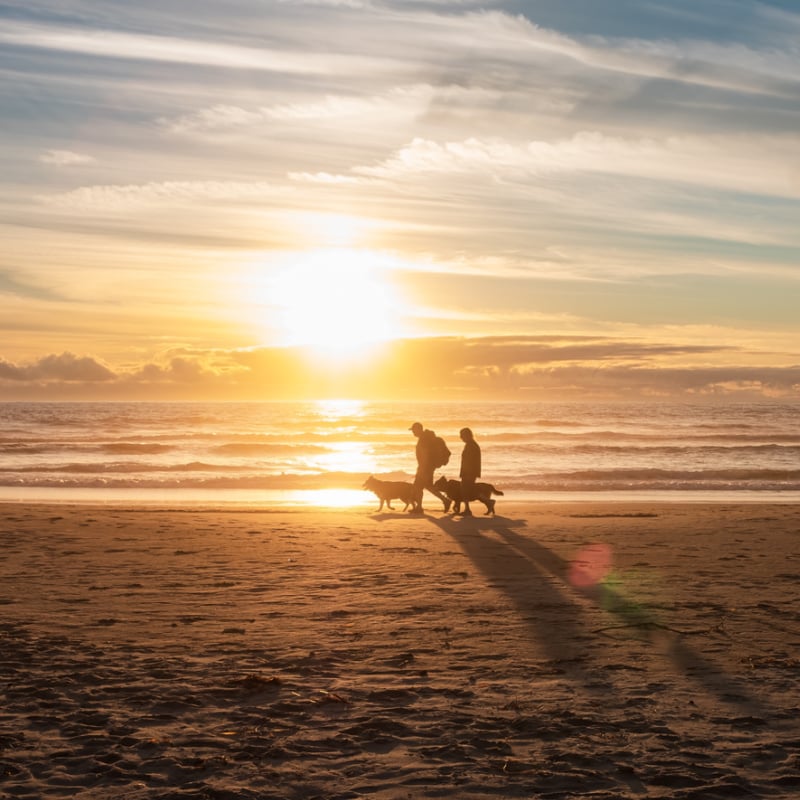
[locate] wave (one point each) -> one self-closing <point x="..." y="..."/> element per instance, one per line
<point x="650" y="473"/>
<point x="655" y="438"/>
<point x="264" y="449"/>
<point x="299" y="442"/>
<point x="135" y="448"/>
<point x="263" y="482"/>
<point x="558" y="423"/>
<point x="660" y="479"/>
<point x="726" y="450"/>
<point x="24" y="449"/>
<point x="130" y="467"/>
<point x="186" y="477"/>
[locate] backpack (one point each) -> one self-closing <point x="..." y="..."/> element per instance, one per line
<point x="440" y="452"/>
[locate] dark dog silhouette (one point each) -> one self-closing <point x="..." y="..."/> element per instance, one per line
<point x="483" y="492"/>
<point x="387" y="491"/>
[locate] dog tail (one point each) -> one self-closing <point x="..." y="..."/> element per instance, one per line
<point x="495" y="491"/>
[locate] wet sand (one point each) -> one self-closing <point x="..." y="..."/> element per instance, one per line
<point x="603" y="650"/>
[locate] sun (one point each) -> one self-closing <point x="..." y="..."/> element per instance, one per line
<point x="336" y="300"/>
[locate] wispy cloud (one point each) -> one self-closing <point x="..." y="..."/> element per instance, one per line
<point x="12" y="284"/>
<point x="169" y="49"/>
<point x="361" y="110"/>
<point x="123" y="198"/>
<point x="473" y="41"/>
<point x="64" y="158"/>
<point x="752" y="164"/>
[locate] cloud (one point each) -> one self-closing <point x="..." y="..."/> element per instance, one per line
<point x="360" y="4"/>
<point x="490" y="43"/>
<point x="12" y="283"/>
<point x="216" y="117"/>
<point x="499" y="36"/>
<point x="64" y="158"/>
<point x="65" y="367"/>
<point x="169" y="49"/>
<point x="326" y="178"/>
<point x="226" y="117"/>
<point x="747" y="164"/>
<point x="683" y="383"/>
<point x="187" y="366"/>
<point x="580" y="367"/>
<point x="399" y="102"/>
<point x="122" y="198"/>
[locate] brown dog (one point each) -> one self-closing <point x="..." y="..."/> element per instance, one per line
<point x="391" y="490"/>
<point x="483" y="492"/>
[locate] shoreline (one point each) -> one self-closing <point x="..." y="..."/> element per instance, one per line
<point x="552" y="650"/>
<point x="361" y="500"/>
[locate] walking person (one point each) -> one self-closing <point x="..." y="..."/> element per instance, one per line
<point x="428" y="459"/>
<point x="470" y="468"/>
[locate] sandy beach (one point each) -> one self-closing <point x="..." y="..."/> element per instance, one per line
<point x="600" y="650"/>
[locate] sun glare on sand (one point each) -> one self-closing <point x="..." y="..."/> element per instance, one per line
<point x="329" y="498"/>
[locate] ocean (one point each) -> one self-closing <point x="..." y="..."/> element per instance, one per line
<point x="321" y="452"/>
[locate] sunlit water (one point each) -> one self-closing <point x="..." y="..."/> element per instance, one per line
<point x="321" y="453"/>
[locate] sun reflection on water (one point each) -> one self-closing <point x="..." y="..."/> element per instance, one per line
<point x="339" y="408"/>
<point x="344" y="457"/>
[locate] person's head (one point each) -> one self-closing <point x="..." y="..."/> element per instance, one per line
<point x="466" y="435"/>
<point x="416" y="429"/>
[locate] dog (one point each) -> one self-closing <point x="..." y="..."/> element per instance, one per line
<point x="386" y="491"/>
<point x="483" y="492"/>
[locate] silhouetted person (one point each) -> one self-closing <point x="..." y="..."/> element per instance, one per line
<point x="470" y="468"/>
<point x="426" y="464"/>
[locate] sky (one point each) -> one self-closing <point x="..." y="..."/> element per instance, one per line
<point x="416" y="199"/>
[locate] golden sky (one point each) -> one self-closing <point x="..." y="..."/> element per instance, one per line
<point x="399" y="199"/>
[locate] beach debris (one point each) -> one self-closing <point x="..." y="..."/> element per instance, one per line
<point x="257" y="683"/>
<point x="633" y="515"/>
<point x="648" y="624"/>
<point x="401" y="659"/>
<point x="323" y="697"/>
<point x="510" y="766"/>
<point x="782" y="662"/>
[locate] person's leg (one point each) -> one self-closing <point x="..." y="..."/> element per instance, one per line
<point x="419" y="484"/>
<point x="434" y="491"/>
<point x="467" y="494"/>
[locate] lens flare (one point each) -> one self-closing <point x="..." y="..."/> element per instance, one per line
<point x="590" y="566"/>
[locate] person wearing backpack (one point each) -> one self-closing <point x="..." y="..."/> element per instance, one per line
<point x="431" y="453"/>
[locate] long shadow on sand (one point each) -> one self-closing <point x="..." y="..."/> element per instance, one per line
<point x="535" y="580"/>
